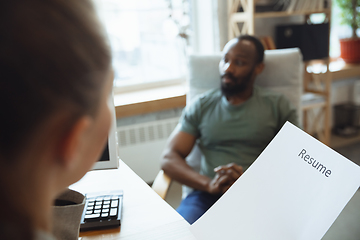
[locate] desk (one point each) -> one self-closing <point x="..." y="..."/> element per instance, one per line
<point x="145" y="215"/>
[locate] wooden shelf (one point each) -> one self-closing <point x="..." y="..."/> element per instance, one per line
<point x="242" y="16"/>
<point x="340" y="70"/>
<point x="287" y="14"/>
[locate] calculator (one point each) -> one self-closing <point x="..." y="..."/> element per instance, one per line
<point x="102" y="210"/>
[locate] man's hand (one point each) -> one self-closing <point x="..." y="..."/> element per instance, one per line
<point x="231" y="171"/>
<point x="219" y="184"/>
<point x="224" y="178"/>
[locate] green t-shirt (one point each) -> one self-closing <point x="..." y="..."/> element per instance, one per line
<point x="229" y="133"/>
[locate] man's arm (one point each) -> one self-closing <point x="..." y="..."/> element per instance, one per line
<point x="178" y="148"/>
<point x="232" y="170"/>
<point x="288" y="112"/>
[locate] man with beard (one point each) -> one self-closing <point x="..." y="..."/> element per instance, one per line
<point x="231" y="126"/>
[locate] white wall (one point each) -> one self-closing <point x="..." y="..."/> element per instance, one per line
<point x="204" y="26"/>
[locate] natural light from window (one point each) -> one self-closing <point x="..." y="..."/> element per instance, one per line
<point x="145" y="40"/>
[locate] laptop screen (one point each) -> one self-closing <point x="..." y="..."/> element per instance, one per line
<point x="109" y="157"/>
<point x="105" y="156"/>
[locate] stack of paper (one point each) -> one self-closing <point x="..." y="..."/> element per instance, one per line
<point x="294" y="190"/>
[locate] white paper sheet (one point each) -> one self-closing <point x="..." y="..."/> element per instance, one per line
<point x="282" y="196"/>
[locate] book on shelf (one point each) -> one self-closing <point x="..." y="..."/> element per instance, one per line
<point x="292" y="5"/>
<point x="306" y="5"/>
<point x="299" y="5"/>
<point x="267" y="42"/>
<point x="312" y="5"/>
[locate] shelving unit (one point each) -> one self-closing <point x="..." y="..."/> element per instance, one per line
<point x="248" y="16"/>
<point x="317" y="85"/>
<point x="316" y="115"/>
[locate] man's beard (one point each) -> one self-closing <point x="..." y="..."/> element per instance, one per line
<point x="235" y="88"/>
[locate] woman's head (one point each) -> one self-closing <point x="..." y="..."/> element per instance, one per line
<point x="55" y="81"/>
<point x="53" y="60"/>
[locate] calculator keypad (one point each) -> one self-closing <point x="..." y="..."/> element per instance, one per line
<point x="98" y="208"/>
<point x="102" y="211"/>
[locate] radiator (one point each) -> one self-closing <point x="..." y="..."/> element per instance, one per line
<point x="141" y="146"/>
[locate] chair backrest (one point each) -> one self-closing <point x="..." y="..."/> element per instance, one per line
<point x="283" y="73"/>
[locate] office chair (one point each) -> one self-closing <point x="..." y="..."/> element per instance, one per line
<point x="283" y="73"/>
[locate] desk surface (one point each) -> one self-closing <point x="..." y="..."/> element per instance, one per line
<point x="145" y="215"/>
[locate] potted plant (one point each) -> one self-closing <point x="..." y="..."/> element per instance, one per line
<point x="350" y="15"/>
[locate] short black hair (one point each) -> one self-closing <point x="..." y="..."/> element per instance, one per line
<point x="258" y="45"/>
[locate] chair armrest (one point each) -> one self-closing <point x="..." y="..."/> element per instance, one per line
<point x="161" y="184"/>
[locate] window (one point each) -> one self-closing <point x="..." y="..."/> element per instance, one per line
<point x="145" y="40"/>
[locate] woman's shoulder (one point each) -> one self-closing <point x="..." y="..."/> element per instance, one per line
<point x="41" y="235"/>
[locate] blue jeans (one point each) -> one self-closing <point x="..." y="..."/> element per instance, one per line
<point x="195" y="205"/>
